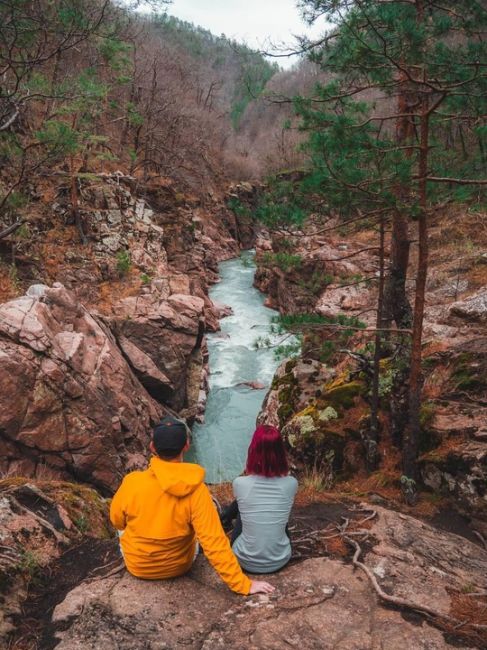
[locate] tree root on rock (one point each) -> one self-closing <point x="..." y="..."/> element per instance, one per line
<point x="112" y="570"/>
<point x="402" y="602"/>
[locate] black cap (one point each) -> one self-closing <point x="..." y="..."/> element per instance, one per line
<point x="169" y="436"/>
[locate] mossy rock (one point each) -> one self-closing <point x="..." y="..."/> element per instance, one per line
<point x="470" y="372"/>
<point x="308" y="440"/>
<point x="342" y="395"/>
<point x="309" y="410"/>
<point x="82" y="504"/>
<point x="284" y="412"/>
<point x="287" y="395"/>
<point x="327" y="414"/>
<point x="290" y="365"/>
<point x="286" y="380"/>
<point x="284" y="394"/>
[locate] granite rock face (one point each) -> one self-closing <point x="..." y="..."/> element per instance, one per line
<point x="160" y="338"/>
<point x="329" y="277"/>
<point x="69" y="399"/>
<point x="473" y="308"/>
<point x="318" y="604"/>
<point x="88" y="366"/>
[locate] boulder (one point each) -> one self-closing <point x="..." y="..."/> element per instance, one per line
<point x="69" y="399"/>
<point x="154" y="380"/>
<point x="191" y="306"/>
<point x="168" y="333"/>
<point x="349" y="300"/>
<point x="460" y="472"/>
<point x="473" y="309"/>
<point x="222" y="310"/>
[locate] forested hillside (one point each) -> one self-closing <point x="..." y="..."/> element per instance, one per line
<point x="90" y="87"/>
<point x="151" y="172"/>
<point x="392" y="141"/>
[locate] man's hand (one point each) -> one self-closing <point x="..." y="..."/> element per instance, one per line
<point x="260" y="587"/>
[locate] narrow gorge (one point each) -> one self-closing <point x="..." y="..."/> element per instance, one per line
<point x="190" y="228"/>
<point x="240" y="373"/>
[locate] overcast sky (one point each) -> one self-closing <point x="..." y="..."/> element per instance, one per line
<point x="259" y="23"/>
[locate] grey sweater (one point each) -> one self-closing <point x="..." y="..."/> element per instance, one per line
<point x="264" y="505"/>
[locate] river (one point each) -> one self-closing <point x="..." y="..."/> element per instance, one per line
<point x="220" y="443"/>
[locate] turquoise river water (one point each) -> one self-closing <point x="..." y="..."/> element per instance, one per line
<point x="220" y="443"/>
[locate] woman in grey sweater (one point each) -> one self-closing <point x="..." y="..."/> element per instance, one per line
<point x="264" y="498"/>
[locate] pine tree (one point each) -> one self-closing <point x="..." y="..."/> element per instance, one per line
<point x="405" y="76"/>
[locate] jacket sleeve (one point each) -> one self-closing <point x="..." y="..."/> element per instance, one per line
<point x="210" y="534"/>
<point x="117" y="508"/>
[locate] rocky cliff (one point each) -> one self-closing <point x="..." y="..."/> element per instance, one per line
<point x="322" y="400"/>
<point x="111" y="335"/>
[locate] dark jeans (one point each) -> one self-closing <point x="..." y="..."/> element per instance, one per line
<point x="228" y="514"/>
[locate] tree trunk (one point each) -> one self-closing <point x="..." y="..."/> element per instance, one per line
<point x="74" y="195"/>
<point x="372" y="456"/>
<point x="396" y="304"/>
<point x="411" y="438"/>
<point x="148" y="126"/>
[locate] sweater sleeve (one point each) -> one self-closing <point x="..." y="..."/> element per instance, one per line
<point x="210" y="534"/>
<point x="117" y="508"/>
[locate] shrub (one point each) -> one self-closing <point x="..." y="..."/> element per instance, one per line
<point x="123" y="262"/>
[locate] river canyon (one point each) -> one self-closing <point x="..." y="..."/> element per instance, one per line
<point x="175" y="211"/>
<point x="240" y="371"/>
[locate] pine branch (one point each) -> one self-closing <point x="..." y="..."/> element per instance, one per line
<point x="457" y="181"/>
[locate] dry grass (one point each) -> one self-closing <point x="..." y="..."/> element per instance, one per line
<point x="223" y="492"/>
<point x="446" y="446"/>
<point x="111" y="292"/>
<point x="315" y="480"/>
<point x="336" y="547"/>
<point x="9" y="287"/>
<point x="469" y="608"/>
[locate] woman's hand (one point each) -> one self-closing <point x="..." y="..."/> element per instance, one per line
<point x="260" y="587"/>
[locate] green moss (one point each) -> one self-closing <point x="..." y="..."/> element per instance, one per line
<point x="429" y="363"/>
<point x="427" y="415"/>
<point x="309" y="410"/>
<point x="290" y="365"/>
<point x="307" y="427"/>
<point x="284" y="412"/>
<point x="342" y="395"/>
<point x="466" y="382"/>
<point x="285" y="395"/>
<point x="469" y="373"/>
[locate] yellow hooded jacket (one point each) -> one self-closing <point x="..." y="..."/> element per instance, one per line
<point x="163" y="511"/>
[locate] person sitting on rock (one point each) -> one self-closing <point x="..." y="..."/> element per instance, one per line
<point x="164" y="510"/>
<point x="264" y="497"/>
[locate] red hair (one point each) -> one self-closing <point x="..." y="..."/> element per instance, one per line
<point x="266" y="455"/>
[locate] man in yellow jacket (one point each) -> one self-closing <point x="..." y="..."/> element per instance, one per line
<point x="164" y="510"/>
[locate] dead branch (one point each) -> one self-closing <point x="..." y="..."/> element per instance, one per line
<point x="457" y="181"/>
<point x="8" y="231"/>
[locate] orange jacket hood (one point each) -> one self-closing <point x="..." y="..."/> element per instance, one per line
<point x="177" y="479"/>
